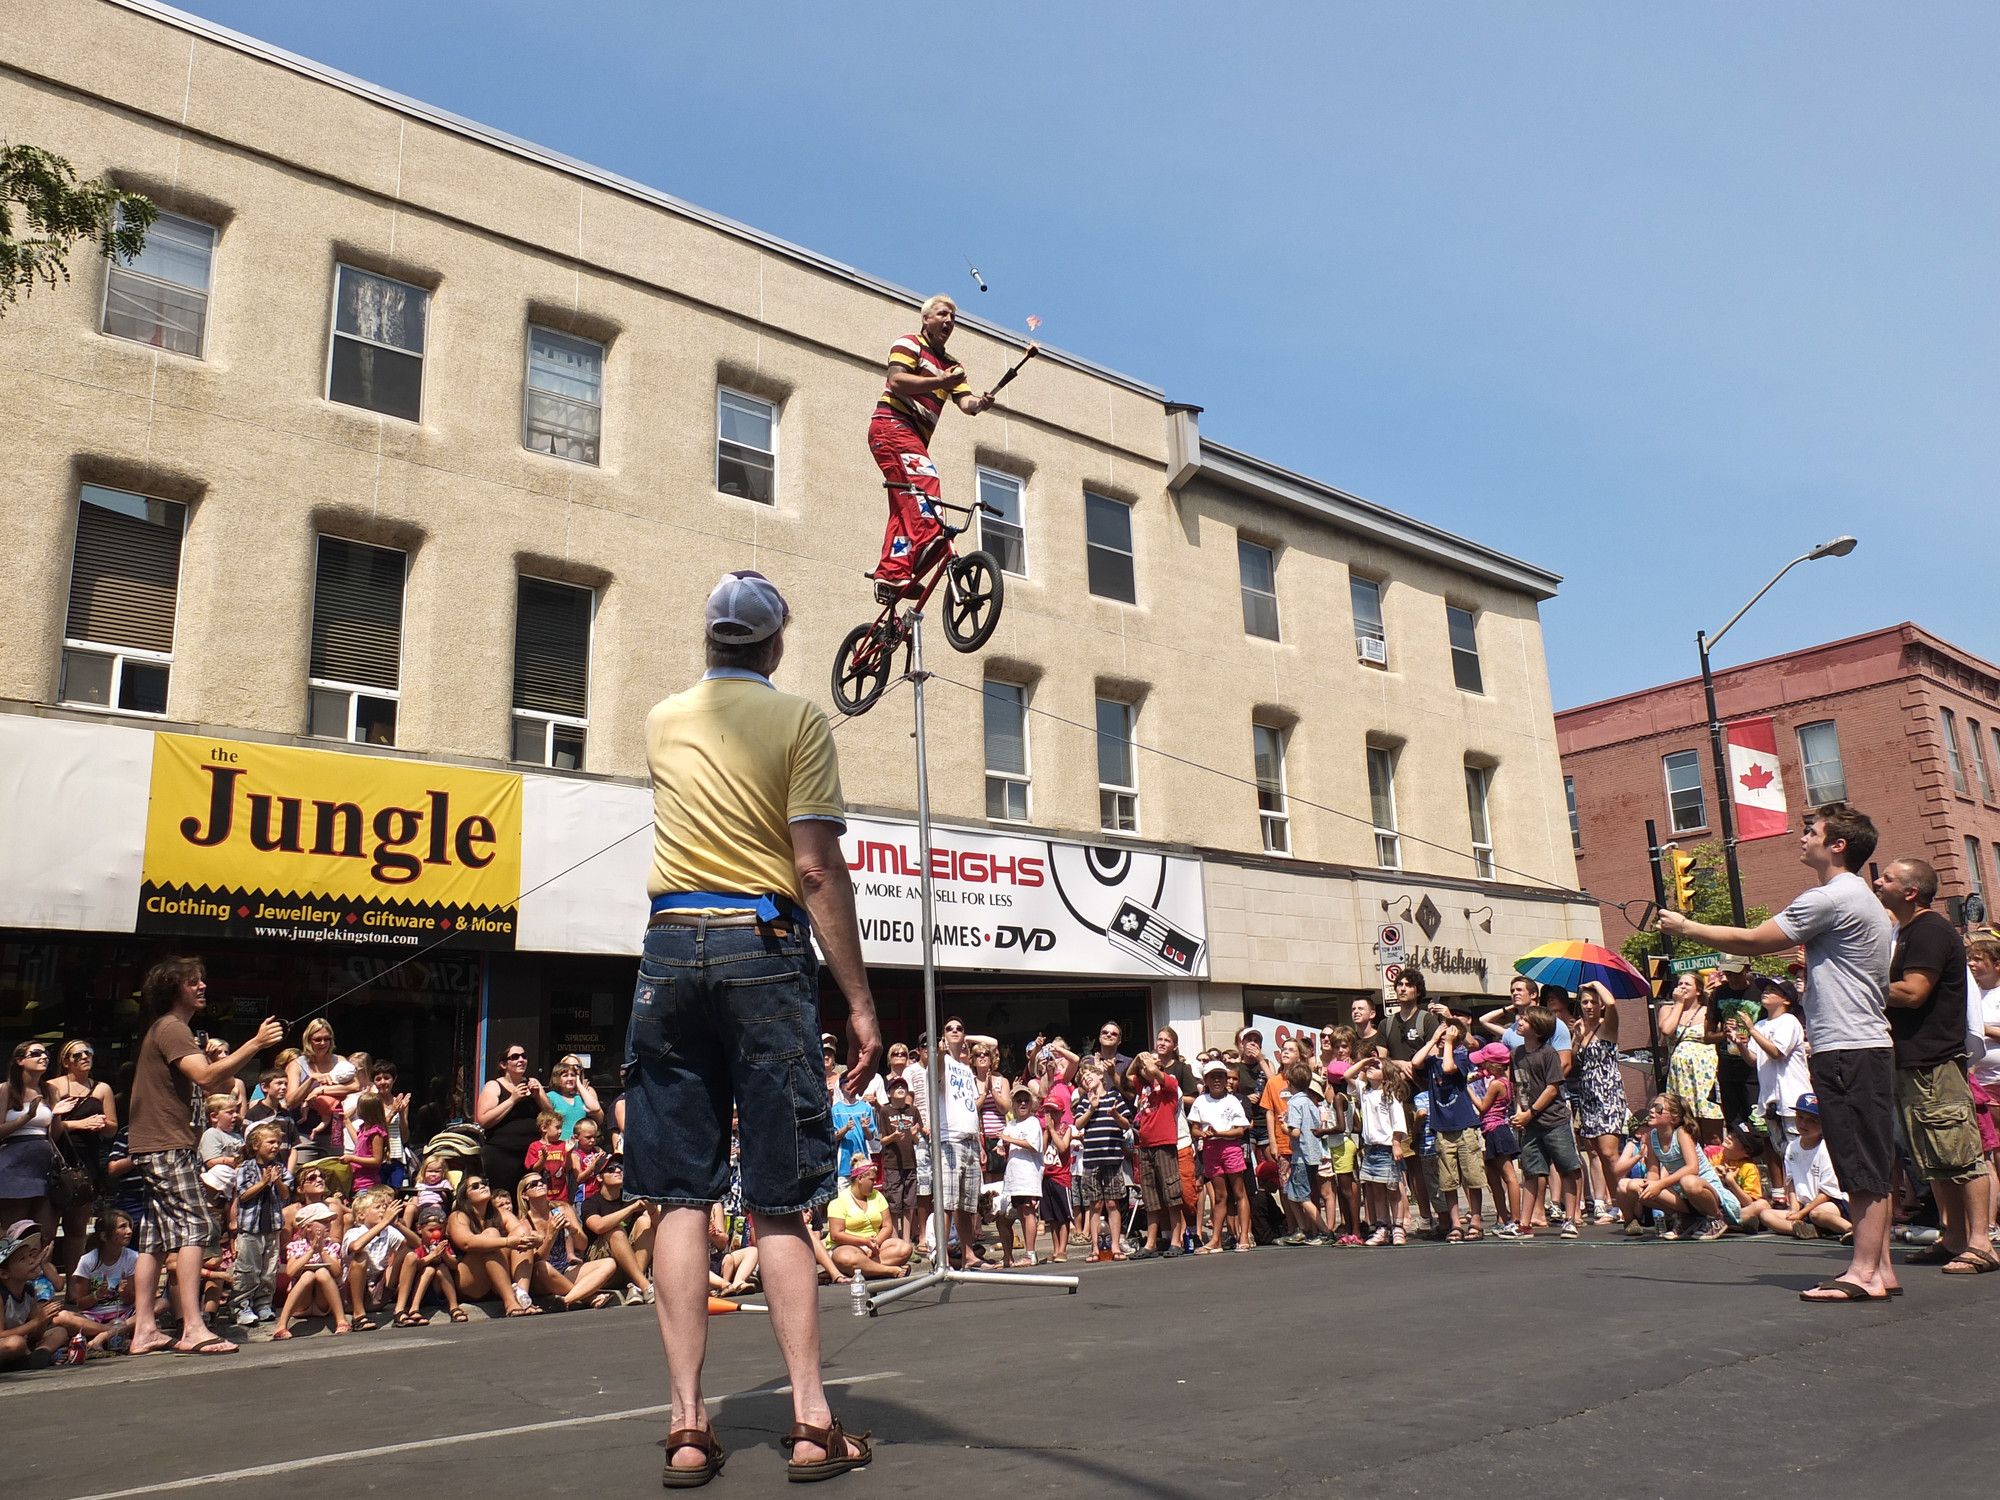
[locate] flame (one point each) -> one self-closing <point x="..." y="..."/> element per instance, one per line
<point x="1033" y="322"/>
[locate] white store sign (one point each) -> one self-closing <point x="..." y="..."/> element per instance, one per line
<point x="1026" y="905"/>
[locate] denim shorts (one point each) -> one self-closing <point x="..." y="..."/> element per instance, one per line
<point x="1549" y="1142"/>
<point x="1379" y="1165"/>
<point x="1299" y="1182"/>
<point x="727" y="1016"/>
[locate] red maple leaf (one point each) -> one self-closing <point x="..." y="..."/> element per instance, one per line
<point x="1756" y="778"/>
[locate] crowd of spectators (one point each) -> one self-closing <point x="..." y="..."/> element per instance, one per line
<point x="311" y="1196"/>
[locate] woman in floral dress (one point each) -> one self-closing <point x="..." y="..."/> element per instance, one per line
<point x="1600" y="1088"/>
<point x="1691" y="1065"/>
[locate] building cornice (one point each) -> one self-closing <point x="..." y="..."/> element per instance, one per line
<point x="1267" y="482"/>
<point x="1933" y="652"/>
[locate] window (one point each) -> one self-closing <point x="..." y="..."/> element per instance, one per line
<point x="1948" y="722"/>
<point x="563" y="414"/>
<point x="1382" y="802"/>
<point x="1476" y="789"/>
<point x="1973" y="873"/>
<point x="1464" y="650"/>
<point x="551" y="673"/>
<point x="118" y="638"/>
<point x="1260" y="589"/>
<point x="1002" y="535"/>
<point x="746" y="447"/>
<point x="1006" y="751"/>
<point x="1575" y="823"/>
<point x="377" y="360"/>
<point x="1107" y="527"/>
<point x="1371" y="642"/>
<point x="355" y="675"/>
<point x="1979" y="759"/>
<point x="1117" y="782"/>
<point x="1268" y="747"/>
<point x="160" y="296"/>
<point x="1995" y="733"/>
<point x="1819" y="753"/>
<point x="1685" y="803"/>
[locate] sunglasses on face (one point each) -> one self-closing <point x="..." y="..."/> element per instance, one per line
<point x="516" y="1057"/>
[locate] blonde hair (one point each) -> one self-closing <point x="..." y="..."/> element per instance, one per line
<point x="215" y="1102"/>
<point x="373" y="1196"/>
<point x="932" y="304"/>
<point x="320" y="1027"/>
<point x="70" y="1050"/>
<point x="261" y="1133"/>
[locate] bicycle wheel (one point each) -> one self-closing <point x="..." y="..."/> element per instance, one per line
<point x="974" y="593"/>
<point x="861" y="670"/>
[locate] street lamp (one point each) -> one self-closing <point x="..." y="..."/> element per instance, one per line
<point x="1840" y="546"/>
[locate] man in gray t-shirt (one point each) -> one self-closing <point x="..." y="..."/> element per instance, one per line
<point x="1848" y="940"/>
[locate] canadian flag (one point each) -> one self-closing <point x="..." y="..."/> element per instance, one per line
<point x="1755" y="785"/>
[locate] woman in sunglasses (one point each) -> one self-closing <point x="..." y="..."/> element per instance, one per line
<point x="555" y="1264"/>
<point x="89" y="1118"/>
<point x="488" y="1238"/>
<point x="507" y="1110"/>
<point x="25" y="1125"/>
<point x="317" y="1083"/>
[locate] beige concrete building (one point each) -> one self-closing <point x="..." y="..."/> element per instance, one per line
<point x="409" y="434"/>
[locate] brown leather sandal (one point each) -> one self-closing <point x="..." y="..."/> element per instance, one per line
<point x="842" y="1451"/>
<point x="693" y="1437"/>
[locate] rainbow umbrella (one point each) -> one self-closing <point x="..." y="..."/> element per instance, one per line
<point x="1572" y="964"/>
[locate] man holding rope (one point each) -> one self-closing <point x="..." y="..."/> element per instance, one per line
<point x="747" y="817"/>
<point x="921" y="378"/>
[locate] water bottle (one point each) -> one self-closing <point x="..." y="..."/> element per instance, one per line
<point x="858" y="1293"/>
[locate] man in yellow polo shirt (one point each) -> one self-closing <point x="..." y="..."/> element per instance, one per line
<point x="747" y="818"/>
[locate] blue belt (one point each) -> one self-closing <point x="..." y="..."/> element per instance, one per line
<point x="768" y="907"/>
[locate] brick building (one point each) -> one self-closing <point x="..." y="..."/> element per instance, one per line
<point x="1900" y="723"/>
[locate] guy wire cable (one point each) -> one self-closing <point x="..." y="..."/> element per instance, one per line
<point x="1301" y="801"/>
<point x="836" y="725"/>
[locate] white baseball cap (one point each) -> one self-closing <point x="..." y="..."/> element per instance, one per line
<point x="744" y="608"/>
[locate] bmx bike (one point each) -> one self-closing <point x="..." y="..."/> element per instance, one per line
<point x="973" y="593"/>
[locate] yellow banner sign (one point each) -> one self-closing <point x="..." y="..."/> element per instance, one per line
<point x="247" y="840"/>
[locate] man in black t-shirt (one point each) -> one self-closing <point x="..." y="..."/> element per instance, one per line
<point x="1927" y="993"/>
<point x="1408" y="1025"/>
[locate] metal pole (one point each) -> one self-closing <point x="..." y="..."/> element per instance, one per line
<point x="1667" y="950"/>
<point x="940" y="1274"/>
<point x="1722" y="782"/>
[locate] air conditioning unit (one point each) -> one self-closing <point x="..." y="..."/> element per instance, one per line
<point x="1371" y="649"/>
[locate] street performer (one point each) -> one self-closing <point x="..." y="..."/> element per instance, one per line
<point x="921" y="377"/>
<point x="747" y="818"/>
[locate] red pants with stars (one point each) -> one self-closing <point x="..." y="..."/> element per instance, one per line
<point x="913" y="492"/>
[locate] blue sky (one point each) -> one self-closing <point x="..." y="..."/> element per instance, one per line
<point x="1657" y="297"/>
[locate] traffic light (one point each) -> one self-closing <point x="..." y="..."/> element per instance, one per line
<point x="1680" y="879"/>
<point x="1661" y="972"/>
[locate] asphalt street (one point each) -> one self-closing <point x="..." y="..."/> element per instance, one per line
<point x="1588" y="1368"/>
